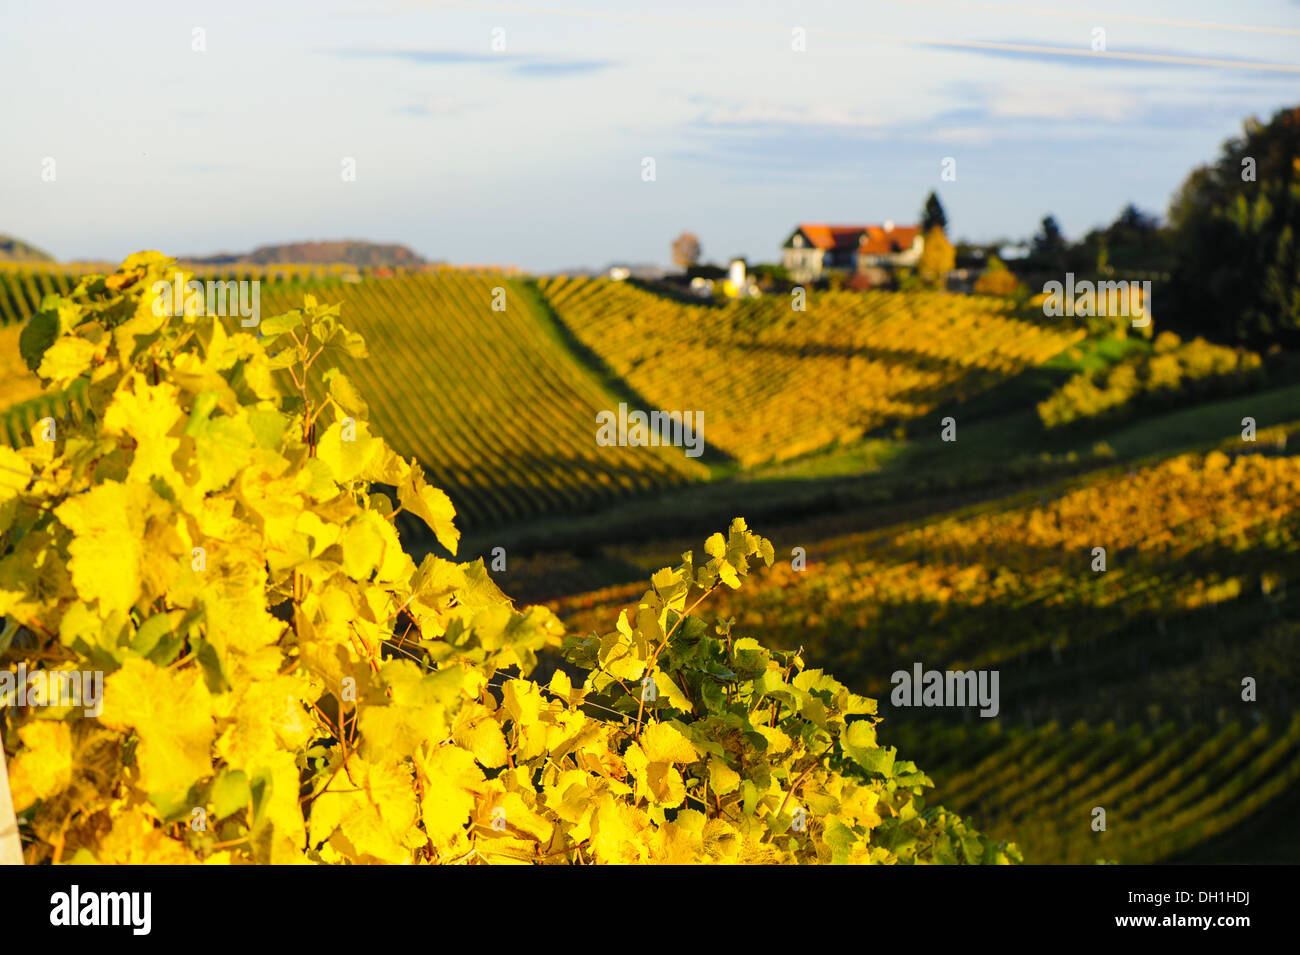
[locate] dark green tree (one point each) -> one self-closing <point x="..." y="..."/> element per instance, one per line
<point x="1135" y="241"/>
<point x="1048" y="248"/>
<point x="933" y="215"/>
<point x="1235" y="233"/>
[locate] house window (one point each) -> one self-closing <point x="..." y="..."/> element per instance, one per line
<point x="798" y="242"/>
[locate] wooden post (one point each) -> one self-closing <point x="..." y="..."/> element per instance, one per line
<point x="11" y="848"/>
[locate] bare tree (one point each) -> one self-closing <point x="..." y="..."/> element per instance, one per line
<point x="686" y="250"/>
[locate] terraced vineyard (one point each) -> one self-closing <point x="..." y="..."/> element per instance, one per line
<point x="1199" y="548"/>
<point x="23" y="287"/>
<point x="1165" y="789"/>
<point x="980" y="589"/>
<point x="490" y="402"/>
<point x="23" y="401"/>
<point x="499" y="413"/>
<point x="774" y="383"/>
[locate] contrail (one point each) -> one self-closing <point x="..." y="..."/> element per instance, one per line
<point x="1100" y="17"/>
<point x="1168" y="59"/>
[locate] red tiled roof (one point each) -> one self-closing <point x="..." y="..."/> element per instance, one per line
<point x="848" y="237"/>
<point x="880" y="242"/>
<point x="829" y="237"/>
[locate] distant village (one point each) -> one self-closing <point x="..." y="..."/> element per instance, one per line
<point x="890" y="255"/>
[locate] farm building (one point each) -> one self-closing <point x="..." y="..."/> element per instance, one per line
<point x="814" y="249"/>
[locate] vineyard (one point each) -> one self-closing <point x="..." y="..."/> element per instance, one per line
<point x="488" y="400"/>
<point x="1121" y="606"/>
<point x="1198" y="548"/>
<point x="1166" y="789"/>
<point x="1023" y="573"/>
<point x="1170" y="373"/>
<point x="283" y="684"/>
<point x="23" y="288"/>
<point x="774" y="382"/>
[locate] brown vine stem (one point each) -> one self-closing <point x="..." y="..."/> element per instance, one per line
<point x="573" y="848"/>
<point x="654" y="657"/>
<point x="799" y="782"/>
<point x="227" y="844"/>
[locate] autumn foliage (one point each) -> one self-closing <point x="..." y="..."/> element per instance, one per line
<point x="284" y="683"/>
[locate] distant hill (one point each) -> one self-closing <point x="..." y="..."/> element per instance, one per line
<point x="16" y="250"/>
<point x="343" y="251"/>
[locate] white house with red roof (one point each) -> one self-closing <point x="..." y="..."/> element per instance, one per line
<point x="813" y="249"/>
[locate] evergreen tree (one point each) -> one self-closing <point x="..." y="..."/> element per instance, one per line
<point x="933" y="215"/>
<point x="1047" y="249"/>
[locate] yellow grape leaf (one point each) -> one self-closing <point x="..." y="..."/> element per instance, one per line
<point x="616" y="833"/>
<point x="106" y="545"/>
<point x="431" y="505"/>
<point x="671" y="691"/>
<point x="135" y="839"/>
<point x="622" y="653"/>
<point x="283" y="809"/>
<point x="43" y="766"/>
<point x="516" y="818"/>
<point x="270" y="717"/>
<point x="665" y="785"/>
<point x="363" y="548"/>
<point x="414" y="713"/>
<point x="366" y="812"/>
<point x="858" y="806"/>
<point x="223" y="447"/>
<point x="681" y="842"/>
<point x="128" y="273"/>
<point x="665" y="743"/>
<point x="452" y="784"/>
<point x="148" y="413"/>
<point x="344" y="392"/>
<point x="348" y="447"/>
<point x="387" y="467"/>
<point x="477" y="731"/>
<point x="171" y="713"/>
<point x="67" y="358"/>
<point x="522" y="699"/>
<point x="396" y="564"/>
<point x="15" y="472"/>
<point x="722" y="778"/>
<point x="651" y="762"/>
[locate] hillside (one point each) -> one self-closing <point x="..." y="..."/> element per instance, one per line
<point x="491" y="403"/>
<point x="16" y="250"/>
<point x="346" y="251"/>
<point x="1119" y="688"/>
<point x="499" y="414"/>
<point x="774" y="383"/>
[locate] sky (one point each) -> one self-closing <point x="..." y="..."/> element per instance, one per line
<point x="518" y="133"/>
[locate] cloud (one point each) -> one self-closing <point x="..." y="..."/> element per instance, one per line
<point x="435" y="106"/>
<point x="563" y="67"/>
<point x="533" y="66"/>
<point x="964" y="135"/>
<point x="1060" y="102"/>
<point x="793" y="141"/>
<point x="1086" y="60"/>
<point x="754" y="114"/>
